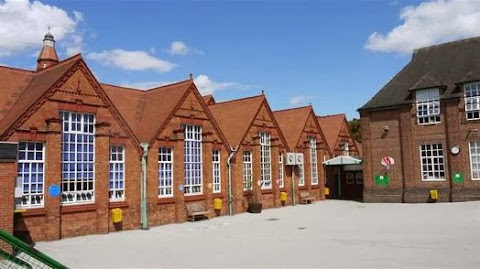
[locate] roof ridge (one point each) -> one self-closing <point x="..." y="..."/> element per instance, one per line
<point x="447" y="43"/>
<point x="29" y="72"/>
<point x="65" y="61"/>
<point x="333" y="115"/>
<point x="292" y="108"/>
<point x="168" y="85"/>
<point x="122" y="87"/>
<point x="239" y="99"/>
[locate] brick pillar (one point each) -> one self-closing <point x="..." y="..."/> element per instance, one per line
<point x="53" y="168"/>
<point x="275" y="176"/>
<point x="179" y="179"/>
<point x="207" y="175"/>
<point x="8" y="173"/>
<point x="102" y="178"/>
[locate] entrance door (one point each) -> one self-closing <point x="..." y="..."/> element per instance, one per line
<point x="337" y="182"/>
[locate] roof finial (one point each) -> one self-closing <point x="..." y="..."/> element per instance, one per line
<point x="191" y="76"/>
<point x="48" y="28"/>
<point x="263" y="92"/>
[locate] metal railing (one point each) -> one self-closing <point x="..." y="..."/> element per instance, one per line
<point x="14" y="253"/>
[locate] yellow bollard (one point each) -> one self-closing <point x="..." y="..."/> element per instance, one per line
<point x="117" y="215"/>
<point x="283" y="196"/>
<point x="327" y="191"/>
<point x="217" y="203"/>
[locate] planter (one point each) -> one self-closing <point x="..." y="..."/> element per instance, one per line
<point x="254" y="207"/>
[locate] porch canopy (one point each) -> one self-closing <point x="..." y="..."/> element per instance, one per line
<point x="342" y="160"/>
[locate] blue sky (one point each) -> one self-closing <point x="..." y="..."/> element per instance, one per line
<point x="333" y="54"/>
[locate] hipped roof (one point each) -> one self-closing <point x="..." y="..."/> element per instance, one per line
<point x="445" y="65"/>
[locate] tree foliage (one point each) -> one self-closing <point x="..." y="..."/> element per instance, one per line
<point x="355" y="129"/>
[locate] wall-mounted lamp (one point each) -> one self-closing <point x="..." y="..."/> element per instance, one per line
<point x="385" y="128"/>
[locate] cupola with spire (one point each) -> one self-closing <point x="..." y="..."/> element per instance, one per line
<point x="48" y="55"/>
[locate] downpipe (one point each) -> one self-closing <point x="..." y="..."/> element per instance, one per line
<point x="233" y="151"/>
<point x="143" y="188"/>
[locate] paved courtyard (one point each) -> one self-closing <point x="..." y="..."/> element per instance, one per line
<point x="327" y="234"/>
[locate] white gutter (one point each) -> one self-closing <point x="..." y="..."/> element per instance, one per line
<point x="230" y="195"/>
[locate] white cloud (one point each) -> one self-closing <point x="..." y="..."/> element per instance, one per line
<point x="181" y="48"/>
<point x="131" y="60"/>
<point x="207" y="86"/>
<point x="429" y="23"/>
<point x="299" y="99"/>
<point x="23" y="25"/>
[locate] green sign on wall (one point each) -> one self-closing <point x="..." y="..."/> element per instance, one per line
<point x="381" y="180"/>
<point x="457" y="178"/>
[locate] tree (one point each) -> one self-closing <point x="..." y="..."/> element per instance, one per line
<point x="355" y="129"/>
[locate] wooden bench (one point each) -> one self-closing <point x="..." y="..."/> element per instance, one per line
<point x="306" y="198"/>
<point x="196" y="209"/>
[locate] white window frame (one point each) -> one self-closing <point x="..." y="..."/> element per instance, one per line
<point x="165" y="172"/>
<point x="31" y="170"/>
<point x="301" y="175"/>
<point x="472" y="100"/>
<point x="432" y="155"/>
<point x="216" y="174"/>
<point x="78" y="158"/>
<point x="247" y="170"/>
<point x="281" y="169"/>
<point x="474" y="150"/>
<point x="193" y="160"/>
<point x="117" y="173"/>
<point x="428" y="106"/>
<point x="265" y="161"/>
<point x="313" y="161"/>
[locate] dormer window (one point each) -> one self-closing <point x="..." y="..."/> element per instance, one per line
<point x="472" y="100"/>
<point x="428" y="106"/>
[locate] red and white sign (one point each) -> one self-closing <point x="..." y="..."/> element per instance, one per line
<point x="387" y="162"/>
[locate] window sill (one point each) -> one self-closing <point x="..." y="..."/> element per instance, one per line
<point x="165" y="200"/>
<point x="433" y="180"/>
<point x="268" y="191"/>
<point x="316" y="186"/>
<point x="78" y="208"/>
<point x="30" y="212"/>
<point x="194" y="198"/>
<point x="302" y="188"/>
<point x="117" y="204"/>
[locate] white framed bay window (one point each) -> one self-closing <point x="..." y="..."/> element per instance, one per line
<point x="313" y="160"/>
<point x="78" y="157"/>
<point x="117" y="173"/>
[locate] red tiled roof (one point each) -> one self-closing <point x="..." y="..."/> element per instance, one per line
<point x="209" y="100"/>
<point x="331" y="126"/>
<point x="292" y="122"/>
<point x="25" y="89"/>
<point x="146" y="111"/>
<point x="235" y="117"/>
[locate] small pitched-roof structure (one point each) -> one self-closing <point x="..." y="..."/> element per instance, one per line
<point x="335" y="129"/>
<point x="294" y="121"/>
<point x="236" y="116"/>
<point x="439" y="60"/>
<point x="209" y="100"/>
<point x="25" y="88"/>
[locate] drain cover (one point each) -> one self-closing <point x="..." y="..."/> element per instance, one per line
<point x="272" y="219"/>
<point x="302" y="228"/>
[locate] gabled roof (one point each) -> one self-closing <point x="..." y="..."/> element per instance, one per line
<point x="209" y="100"/>
<point x="26" y="91"/>
<point x="146" y="111"/>
<point x="446" y="64"/>
<point x="235" y="117"/>
<point x="331" y="127"/>
<point x="292" y="122"/>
